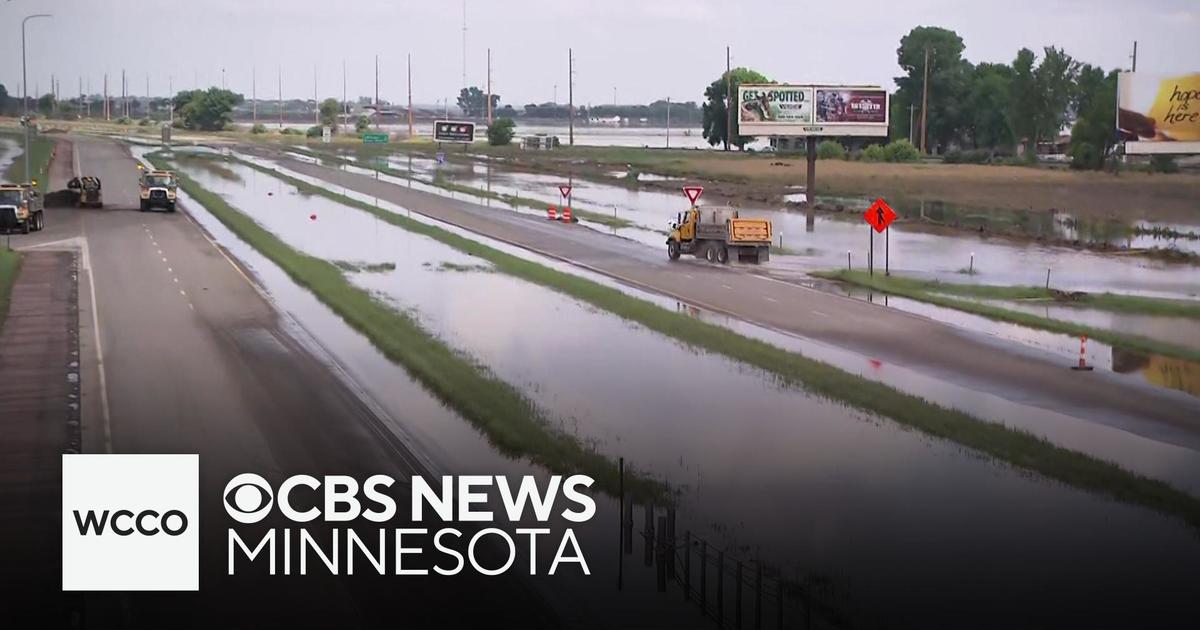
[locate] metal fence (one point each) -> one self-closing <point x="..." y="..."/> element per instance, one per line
<point x="733" y="591"/>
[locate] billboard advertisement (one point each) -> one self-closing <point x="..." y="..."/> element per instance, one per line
<point x="812" y="110"/>
<point x="453" y="131"/>
<point x="1159" y="113"/>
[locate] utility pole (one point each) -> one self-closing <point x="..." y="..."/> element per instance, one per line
<point x="254" y="93"/>
<point x="170" y="96"/>
<point x="410" y="112"/>
<point x="107" y="113"/>
<point x="377" y="116"/>
<point x="53" y="94"/>
<point x="124" y="95"/>
<point x="614" y="96"/>
<point x="489" y="87"/>
<point x="281" y="97"/>
<point x="556" y="94"/>
<point x="728" y="99"/>
<point x="316" y="103"/>
<point x="1134" y="57"/>
<point x="345" y="103"/>
<point x="464" y="45"/>
<point x="668" y="122"/>
<point x="571" y="95"/>
<point x="925" y="101"/>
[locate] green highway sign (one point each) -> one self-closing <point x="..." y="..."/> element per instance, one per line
<point x="374" y="138"/>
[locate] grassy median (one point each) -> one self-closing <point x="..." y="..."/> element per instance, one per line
<point x="41" y="148"/>
<point x="944" y="294"/>
<point x="10" y="265"/>
<point x="1013" y="446"/>
<point x="510" y="421"/>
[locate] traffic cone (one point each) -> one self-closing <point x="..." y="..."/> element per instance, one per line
<point x="566" y="214"/>
<point x="552" y="213"/>
<point x="1083" y="366"/>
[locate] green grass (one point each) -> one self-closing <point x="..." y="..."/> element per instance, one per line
<point x="1016" y="447"/>
<point x="10" y="265"/>
<point x="41" y="148"/>
<point x="936" y="293"/>
<point x="510" y="420"/>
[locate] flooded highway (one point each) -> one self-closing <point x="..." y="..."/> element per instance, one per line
<point x="865" y="499"/>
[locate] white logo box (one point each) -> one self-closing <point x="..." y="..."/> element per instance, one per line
<point x="142" y="486"/>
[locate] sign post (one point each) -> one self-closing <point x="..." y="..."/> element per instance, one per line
<point x="693" y="193"/>
<point x="565" y="191"/>
<point x="879" y="216"/>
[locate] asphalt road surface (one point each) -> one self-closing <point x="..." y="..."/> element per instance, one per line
<point x="889" y="335"/>
<point x="189" y="357"/>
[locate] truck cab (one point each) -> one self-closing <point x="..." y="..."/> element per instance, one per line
<point x="157" y="189"/>
<point x="21" y="208"/>
<point x="719" y="235"/>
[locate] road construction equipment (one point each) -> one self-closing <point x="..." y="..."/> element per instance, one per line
<point x="157" y="190"/>
<point x="87" y="188"/>
<point x="719" y="235"/>
<point x="21" y="208"/>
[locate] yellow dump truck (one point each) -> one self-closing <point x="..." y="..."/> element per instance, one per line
<point x="719" y="235"/>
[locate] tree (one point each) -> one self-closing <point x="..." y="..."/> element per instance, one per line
<point x="45" y="104"/>
<point x="330" y="108"/>
<point x="1055" y="80"/>
<point x="206" y="110"/>
<point x="1093" y="136"/>
<point x="362" y="124"/>
<point x="473" y="102"/>
<point x="1023" y="97"/>
<point x="714" y="112"/>
<point x="501" y="132"/>
<point x="988" y="106"/>
<point x="948" y="84"/>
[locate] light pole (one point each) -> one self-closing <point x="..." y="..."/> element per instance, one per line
<point x="25" y="88"/>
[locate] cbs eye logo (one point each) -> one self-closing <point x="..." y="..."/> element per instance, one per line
<point x="248" y="498"/>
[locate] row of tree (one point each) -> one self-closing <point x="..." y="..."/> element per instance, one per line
<point x="992" y="106"/>
<point x="1000" y="106"/>
<point x="473" y="102"/>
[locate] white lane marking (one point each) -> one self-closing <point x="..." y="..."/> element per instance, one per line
<point x="819" y="314"/>
<point x="191" y="306"/>
<point x="769" y="298"/>
<point x="159" y="251"/>
<point x="170" y="270"/>
<point x="183" y="293"/>
<point x="176" y="280"/>
<point x="104" y="408"/>
<point x="726" y="286"/>
<point x="164" y="258"/>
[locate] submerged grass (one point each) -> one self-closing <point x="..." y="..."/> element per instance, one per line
<point x="440" y="182"/>
<point x="509" y="420"/>
<point x="943" y="294"/>
<point x="1013" y="446"/>
<point x="10" y="265"/>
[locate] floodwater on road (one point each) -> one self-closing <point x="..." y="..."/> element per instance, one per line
<point x="794" y="479"/>
<point x="9" y="151"/>
<point x="821" y="241"/>
<point x="1145" y="447"/>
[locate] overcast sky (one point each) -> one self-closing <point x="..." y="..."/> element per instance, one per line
<point x="646" y="49"/>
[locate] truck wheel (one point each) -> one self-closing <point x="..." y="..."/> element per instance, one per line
<point x="710" y="253"/>
<point x="40" y="223"/>
<point x="142" y="206"/>
<point x="171" y="208"/>
<point x="673" y="250"/>
<point x="25" y="226"/>
<point x="722" y="255"/>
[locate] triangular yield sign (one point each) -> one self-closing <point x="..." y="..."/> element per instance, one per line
<point x="693" y="193"/>
<point x="565" y="191"/>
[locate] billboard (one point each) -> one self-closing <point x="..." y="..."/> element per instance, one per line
<point x="453" y="131"/>
<point x="812" y="110"/>
<point x="1159" y="113"/>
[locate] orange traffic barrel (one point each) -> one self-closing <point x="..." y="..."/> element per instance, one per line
<point x="566" y="214"/>
<point x="552" y="213"/>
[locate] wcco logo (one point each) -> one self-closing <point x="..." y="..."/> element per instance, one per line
<point x="130" y="523"/>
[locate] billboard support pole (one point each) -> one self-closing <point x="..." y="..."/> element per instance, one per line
<point x="810" y="183"/>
